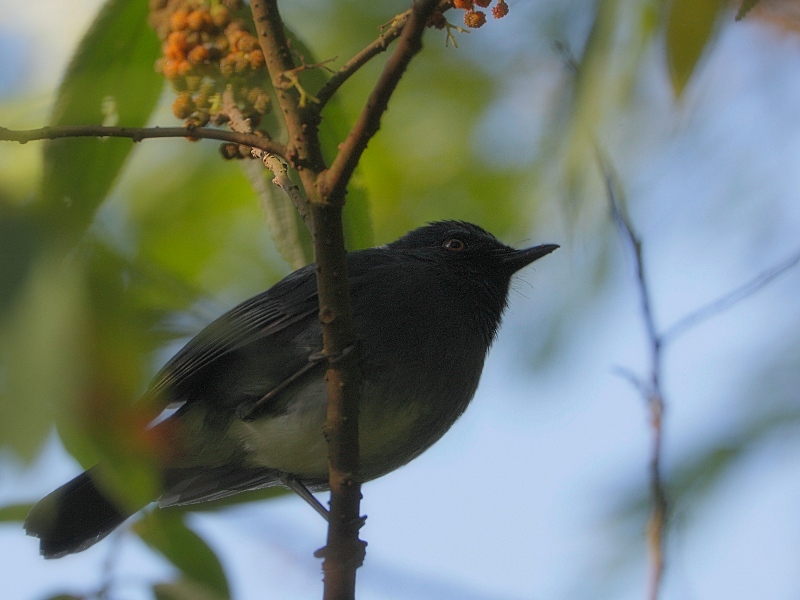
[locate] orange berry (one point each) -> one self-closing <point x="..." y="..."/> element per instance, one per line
<point x="261" y="102"/>
<point x="201" y="101"/>
<point x="256" y="59"/>
<point x="177" y="39"/>
<point x="220" y="15"/>
<point x="197" y="19"/>
<point x="184" y="68"/>
<point x="193" y="82"/>
<point x="174" y="51"/>
<point x="227" y="65"/>
<point x="246" y="43"/>
<point x="463" y="4"/>
<point x="234" y="35"/>
<point x="170" y="69"/>
<point x="183" y="106"/>
<point x="483" y="3"/>
<point x="199" y="119"/>
<point x="500" y="10"/>
<point x="198" y="54"/>
<point x="437" y="20"/>
<point x="474" y="19"/>
<point x="241" y="62"/>
<point x="178" y="19"/>
<point x="229" y="151"/>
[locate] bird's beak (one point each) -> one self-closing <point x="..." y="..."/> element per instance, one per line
<point x="514" y="260"/>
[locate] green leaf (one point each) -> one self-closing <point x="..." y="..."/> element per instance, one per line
<point x="291" y="236"/>
<point x="690" y="27"/>
<point x="42" y="350"/>
<point x="745" y="8"/>
<point x="110" y="80"/>
<point x="165" y="532"/>
<point x="19" y="239"/>
<point x="197" y="221"/>
<point x="14" y="512"/>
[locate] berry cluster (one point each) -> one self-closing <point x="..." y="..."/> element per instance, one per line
<point x="473" y="18"/>
<point x="206" y="47"/>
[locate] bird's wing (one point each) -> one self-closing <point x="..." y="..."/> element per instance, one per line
<point x="259" y="317"/>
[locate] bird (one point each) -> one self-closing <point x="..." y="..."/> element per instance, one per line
<point x="248" y="397"/>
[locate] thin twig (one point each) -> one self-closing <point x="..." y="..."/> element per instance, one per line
<point x="387" y="36"/>
<point x="656" y="527"/>
<point x="303" y="149"/>
<point x="730" y="299"/>
<point x="138" y="134"/>
<point x="281" y="178"/>
<point x="273" y="162"/>
<point x="334" y="181"/>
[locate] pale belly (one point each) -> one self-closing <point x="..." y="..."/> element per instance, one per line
<point x="294" y="442"/>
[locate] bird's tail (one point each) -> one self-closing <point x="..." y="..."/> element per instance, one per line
<point x="74" y="517"/>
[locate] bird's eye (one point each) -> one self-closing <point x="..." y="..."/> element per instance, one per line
<point x="454" y="244"/>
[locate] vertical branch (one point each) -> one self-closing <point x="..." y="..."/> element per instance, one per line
<point x="656" y="527"/>
<point x="303" y="150"/>
<point x="325" y="191"/>
<point x="344" y="551"/>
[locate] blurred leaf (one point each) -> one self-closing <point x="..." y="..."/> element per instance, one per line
<point x="110" y="80"/>
<point x="689" y="28"/>
<point x="184" y="590"/>
<point x="14" y="512"/>
<point x="66" y="597"/>
<point x="20" y="237"/>
<point x="196" y="221"/>
<point x="165" y="532"/>
<point x="42" y="341"/>
<point x="291" y="236"/>
<point x="745" y="8"/>
<point x="604" y="76"/>
<point x="108" y="424"/>
<point x="411" y="182"/>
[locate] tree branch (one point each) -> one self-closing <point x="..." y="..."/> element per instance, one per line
<point x="390" y="34"/>
<point x="278" y="166"/>
<point x="334" y="181"/>
<point x="387" y="36"/>
<point x="731" y="298"/>
<point x="344" y="551"/>
<point x="303" y="150"/>
<point x="656" y="527"/>
<point x="138" y="134"/>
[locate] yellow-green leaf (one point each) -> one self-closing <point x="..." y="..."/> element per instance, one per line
<point x="165" y="532"/>
<point x="14" y="512"/>
<point x="690" y="27"/>
<point x="110" y="80"/>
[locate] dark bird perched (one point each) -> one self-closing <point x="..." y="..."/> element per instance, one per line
<point x="250" y="391"/>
